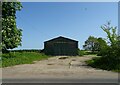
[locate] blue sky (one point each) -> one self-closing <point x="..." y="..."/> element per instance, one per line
<point x="41" y="21"/>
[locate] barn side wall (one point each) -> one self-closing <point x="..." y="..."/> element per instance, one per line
<point x="61" y="48"/>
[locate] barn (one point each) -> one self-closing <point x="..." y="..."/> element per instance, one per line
<point x="61" y="46"/>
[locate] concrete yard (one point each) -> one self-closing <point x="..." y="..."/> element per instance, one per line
<point x="54" y="69"/>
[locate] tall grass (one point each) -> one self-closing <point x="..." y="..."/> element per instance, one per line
<point x="16" y="58"/>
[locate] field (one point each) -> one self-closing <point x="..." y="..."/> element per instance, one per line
<point x="16" y="58"/>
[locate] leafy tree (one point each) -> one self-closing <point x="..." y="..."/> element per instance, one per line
<point x="111" y="33"/>
<point x="103" y="47"/>
<point x="11" y="35"/>
<point x="91" y="44"/>
<point x="94" y="44"/>
<point x="102" y="44"/>
<point x="114" y="40"/>
<point x="110" y="59"/>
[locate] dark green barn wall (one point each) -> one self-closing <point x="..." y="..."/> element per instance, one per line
<point x="61" y="46"/>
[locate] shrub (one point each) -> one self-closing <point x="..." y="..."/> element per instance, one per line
<point x="110" y="60"/>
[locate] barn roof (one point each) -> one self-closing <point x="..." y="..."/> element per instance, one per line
<point x="61" y="37"/>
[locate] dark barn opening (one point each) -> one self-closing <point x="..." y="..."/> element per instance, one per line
<point x="61" y="46"/>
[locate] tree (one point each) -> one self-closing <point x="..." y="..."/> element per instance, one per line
<point x="114" y="40"/>
<point x="11" y="35"/>
<point x="111" y="33"/>
<point x="102" y="44"/>
<point x="110" y="59"/>
<point x="94" y="44"/>
<point x="91" y="44"/>
<point x="103" y="47"/>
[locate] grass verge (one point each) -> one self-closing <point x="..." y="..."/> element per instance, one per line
<point x="16" y="58"/>
<point x="105" y="63"/>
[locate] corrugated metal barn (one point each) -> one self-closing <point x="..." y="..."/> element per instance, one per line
<point x="61" y="46"/>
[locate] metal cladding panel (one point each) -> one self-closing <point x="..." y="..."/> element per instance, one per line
<point x="61" y="46"/>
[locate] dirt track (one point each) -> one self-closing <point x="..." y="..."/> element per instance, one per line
<point x="55" y="68"/>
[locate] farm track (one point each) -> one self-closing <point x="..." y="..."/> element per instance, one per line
<point x="58" y="69"/>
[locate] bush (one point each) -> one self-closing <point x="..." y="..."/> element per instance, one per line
<point x="105" y="63"/>
<point x="110" y="59"/>
<point x="104" y="51"/>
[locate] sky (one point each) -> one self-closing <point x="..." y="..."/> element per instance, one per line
<point x="42" y="21"/>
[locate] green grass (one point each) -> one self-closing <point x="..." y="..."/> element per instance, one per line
<point x="105" y="63"/>
<point x="84" y="52"/>
<point x="16" y="58"/>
